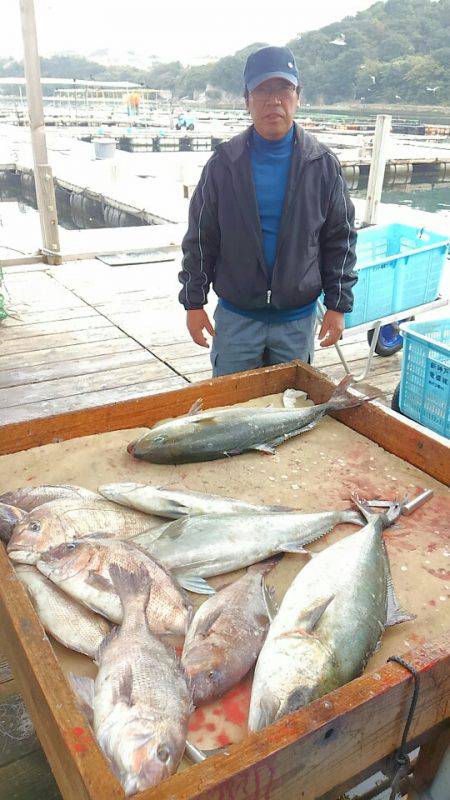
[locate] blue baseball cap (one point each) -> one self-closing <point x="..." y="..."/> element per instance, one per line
<point x="270" y="62"/>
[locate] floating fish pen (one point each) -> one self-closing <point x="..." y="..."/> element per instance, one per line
<point x="77" y="208"/>
<point x="328" y="746"/>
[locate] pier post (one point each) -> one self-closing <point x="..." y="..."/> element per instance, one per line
<point x="45" y="191"/>
<point x="377" y="168"/>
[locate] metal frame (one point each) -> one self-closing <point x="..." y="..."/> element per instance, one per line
<point x="375" y="325"/>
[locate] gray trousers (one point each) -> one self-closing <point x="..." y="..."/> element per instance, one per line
<point x="242" y="343"/>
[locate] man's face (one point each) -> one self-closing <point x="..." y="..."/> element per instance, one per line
<point x="272" y="105"/>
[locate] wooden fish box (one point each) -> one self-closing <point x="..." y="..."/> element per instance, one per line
<point x="321" y="750"/>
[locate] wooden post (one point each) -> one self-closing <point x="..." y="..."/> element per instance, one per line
<point x="377" y="168"/>
<point x="45" y="192"/>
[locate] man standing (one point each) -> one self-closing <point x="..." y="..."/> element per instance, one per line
<point x="271" y="226"/>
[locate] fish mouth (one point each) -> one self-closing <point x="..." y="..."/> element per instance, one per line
<point x="131" y="446"/>
<point x="23" y="556"/>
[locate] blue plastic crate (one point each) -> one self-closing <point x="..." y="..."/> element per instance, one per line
<point x="425" y="381"/>
<point x="399" y="267"/>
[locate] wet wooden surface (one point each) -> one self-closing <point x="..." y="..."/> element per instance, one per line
<point x="85" y="334"/>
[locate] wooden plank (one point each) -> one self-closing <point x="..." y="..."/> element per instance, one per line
<point x="30" y="413"/>
<point x="430" y="757"/>
<point x="152" y="369"/>
<point x="55" y="340"/>
<point x="30" y="778"/>
<point x="20" y="435"/>
<point x="51" y="315"/>
<point x="74" y="755"/>
<point x="38" y="329"/>
<point x="116" y="343"/>
<point x="79" y="366"/>
<point x="348" y="730"/>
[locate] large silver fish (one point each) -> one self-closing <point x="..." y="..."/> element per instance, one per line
<point x="208" y="435"/>
<point x="211" y="544"/>
<point x="29" y="497"/>
<point x="329" y="623"/>
<point x="62" y="521"/>
<point x="175" y="503"/>
<point x="82" y="569"/>
<point x="70" y="623"/>
<point x="226" y="635"/>
<point x="141" y="703"/>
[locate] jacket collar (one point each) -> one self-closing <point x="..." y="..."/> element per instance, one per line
<point x="310" y="147"/>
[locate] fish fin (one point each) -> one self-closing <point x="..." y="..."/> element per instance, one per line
<point x="268" y="449"/>
<point x="309" y="618"/>
<point x="105" y="642"/>
<point x="130" y="585"/>
<point x="294" y="547"/>
<point x="205" y="625"/>
<point x="342" y="398"/>
<point x="262" y="567"/>
<point x="124" y="691"/>
<point x="194" y="583"/>
<point x="394" y="611"/>
<point x="269" y="601"/>
<point x="98" y="581"/>
<point x="269" y="707"/>
<point x="83" y="689"/>
<point x="195" y="407"/>
<point x="207" y="420"/>
<point x="290" y="397"/>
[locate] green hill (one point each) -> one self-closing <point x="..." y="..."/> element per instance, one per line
<point x="395" y="51"/>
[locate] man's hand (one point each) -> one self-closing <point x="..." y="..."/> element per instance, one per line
<point x="332" y="328"/>
<point x="197" y="321"/>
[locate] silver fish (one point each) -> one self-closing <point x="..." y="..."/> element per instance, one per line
<point x="329" y="623"/>
<point x="29" y="497"/>
<point x="212" y="544"/>
<point x="140" y="700"/>
<point x="226" y="635"/>
<point x="64" y="520"/>
<point x="70" y="623"/>
<point x="82" y="569"/>
<point x="9" y="517"/>
<point x="208" y="435"/>
<point x="175" y="503"/>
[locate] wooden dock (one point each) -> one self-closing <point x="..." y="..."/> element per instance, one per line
<point x="86" y="334"/>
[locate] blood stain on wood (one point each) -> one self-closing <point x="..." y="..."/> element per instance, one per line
<point x="443" y="574"/>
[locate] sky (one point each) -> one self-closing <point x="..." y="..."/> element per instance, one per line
<point x="180" y="29"/>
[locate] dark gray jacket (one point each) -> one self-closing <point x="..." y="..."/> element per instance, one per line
<point x="316" y="241"/>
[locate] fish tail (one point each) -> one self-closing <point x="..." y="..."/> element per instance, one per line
<point x="131" y="585"/>
<point x="342" y="398"/>
<point x="387" y="518"/>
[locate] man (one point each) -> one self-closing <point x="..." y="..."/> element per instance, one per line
<point x="271" y="226"/>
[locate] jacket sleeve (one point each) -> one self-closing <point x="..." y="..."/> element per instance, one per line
<point x="201" y="243"/>
<point x="337" y="245"/>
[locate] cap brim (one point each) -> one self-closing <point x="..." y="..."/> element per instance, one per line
<point x="265" y="77"/>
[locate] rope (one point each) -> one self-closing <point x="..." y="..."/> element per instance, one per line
<point x="402" y="762"/>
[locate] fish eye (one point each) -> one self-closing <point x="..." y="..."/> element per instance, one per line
<point x="35" y="526"/>
<point x="163" y="753"/>
<point x="71" y="545"/>
<point x="158" y="439"/>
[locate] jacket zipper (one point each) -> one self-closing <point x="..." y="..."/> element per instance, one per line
<point x="269" y="294"/>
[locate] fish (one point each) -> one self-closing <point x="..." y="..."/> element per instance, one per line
<point x="226" y="636"/>
<point x="29" y="497"/>
<point x="9" y="517"/>
<point x="218" y="433"/>
<point x="140" y="700"/>
<point x="82" y="569"/>
<point x="64" y="520"/>
<point x="176" y="503"/>
<point x="212" y="544"/>
<point x="329" y="623"/>
<point x="70" y="623"/>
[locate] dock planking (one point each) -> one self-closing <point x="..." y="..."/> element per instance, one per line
<point x="86" y="334"/>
